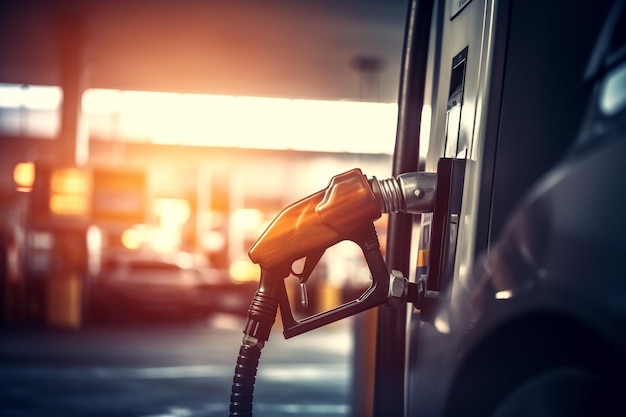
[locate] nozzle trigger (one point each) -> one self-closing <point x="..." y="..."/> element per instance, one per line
<point x="309" y="264"/>
<point x="304" y="296"/>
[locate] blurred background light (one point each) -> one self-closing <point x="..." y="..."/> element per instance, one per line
<point x="244" y="270"/>
<point x="172" y="212"/>
<point x="241" y="122"/>
<point x="41" y="97"/>
<point x="132" y="239"/>
<point x="70" y="192"/>
<point x="247" y="218"/>
<point x="24" y="176"/>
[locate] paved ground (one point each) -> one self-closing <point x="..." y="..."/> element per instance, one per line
<point x="169" y="369"/>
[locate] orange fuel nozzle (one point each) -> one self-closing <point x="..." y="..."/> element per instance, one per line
<point x="345" y="210"/>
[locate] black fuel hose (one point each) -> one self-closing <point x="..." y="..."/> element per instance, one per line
<point x="261" y="317"/>
<point x="242" y="393"/>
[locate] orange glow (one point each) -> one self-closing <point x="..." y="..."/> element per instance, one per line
<point x="24" y="176"/>
<point x="68" y="204"/>
<point x="70" y="181"/>
<point x="69" y="192"/>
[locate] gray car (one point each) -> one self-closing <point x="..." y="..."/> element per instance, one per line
<point x="171" y="286"/>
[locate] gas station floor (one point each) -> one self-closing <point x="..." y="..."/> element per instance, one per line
<point x="169" y="369"/>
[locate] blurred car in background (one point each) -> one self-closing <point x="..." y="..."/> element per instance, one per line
<point x="177" y="285"/>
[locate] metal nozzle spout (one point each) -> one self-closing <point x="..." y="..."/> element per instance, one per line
<point x="412" y="192"/>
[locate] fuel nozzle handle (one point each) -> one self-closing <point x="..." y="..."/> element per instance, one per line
<point x="349" y="203"/>
<point x="318" y="222"/>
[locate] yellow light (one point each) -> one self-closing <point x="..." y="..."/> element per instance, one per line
<point x="173" y="212"/>
<point x="101" y="101"/>
<point x="69" y="192"/>
<point x="246" y="122"/>
<point x="163" y="239"/>
<point x="244" y="271"/>
<point x="68" y="204"/>
<point x="24" y="176"/>
<point x="132" y="239"/>
<point x="247" y="218"/>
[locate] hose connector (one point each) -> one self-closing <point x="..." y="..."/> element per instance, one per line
<point x="411" y="192"/>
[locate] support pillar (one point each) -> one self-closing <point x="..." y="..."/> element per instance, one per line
<point x="73" y="140"/>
